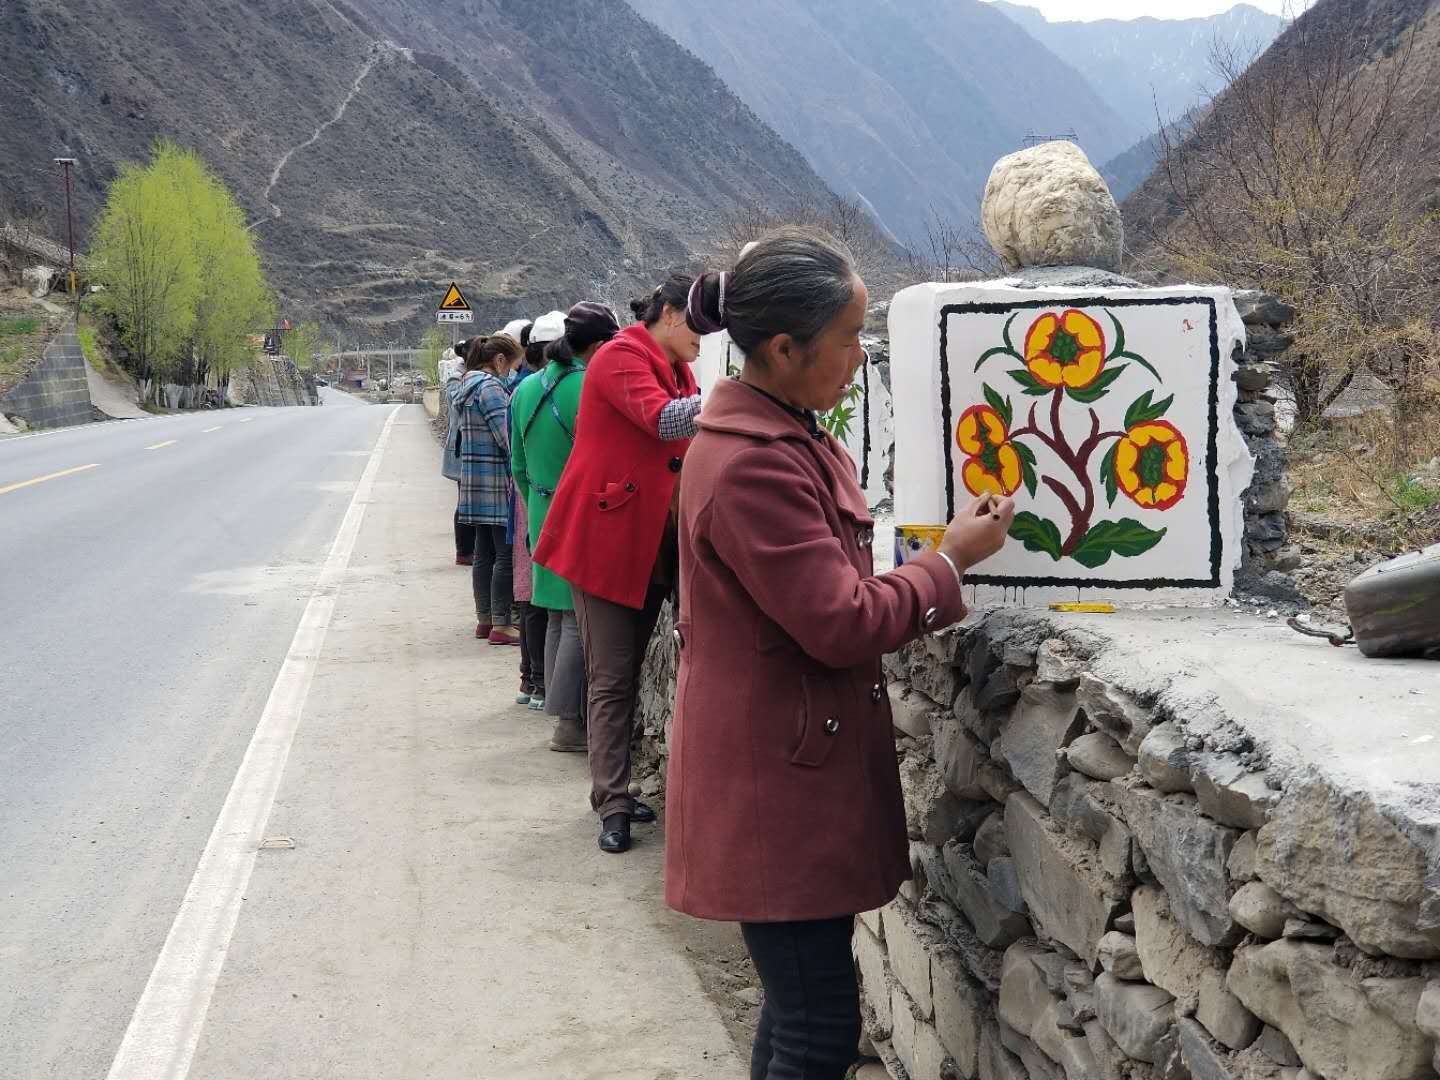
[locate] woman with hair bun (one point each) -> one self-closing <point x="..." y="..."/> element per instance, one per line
<point x="785" y="812"/>
<point x="610" y="528"/>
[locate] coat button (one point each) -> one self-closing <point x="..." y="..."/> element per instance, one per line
<point x="675" y="464"/>
<point x="877" y="692"/>
<point x="603" y="504"/>
<point x="629" y="487"/>
<point x="832" y="726"/>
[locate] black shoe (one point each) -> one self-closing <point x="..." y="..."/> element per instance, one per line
<point x="642" y="814"/>
<point x="615" y="834"/>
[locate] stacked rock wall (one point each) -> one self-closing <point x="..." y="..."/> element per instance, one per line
<point x="1103" y="892"/>
<point x="1125" y="877"/>
<point x="1266" y="533"/>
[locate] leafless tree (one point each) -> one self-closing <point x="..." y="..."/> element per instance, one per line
<point x="848" y="220"/>
<point x="951" y="251"/>
<point x="1306" y="176"/>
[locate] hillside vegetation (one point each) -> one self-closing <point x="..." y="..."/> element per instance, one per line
<point x="1313" y="176"/>
<point x="534" y="150"/>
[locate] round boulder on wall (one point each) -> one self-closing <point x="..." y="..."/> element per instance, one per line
<point x="1047" y="206"/>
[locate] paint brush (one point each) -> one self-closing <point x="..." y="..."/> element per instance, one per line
<point x="987" y="506"/>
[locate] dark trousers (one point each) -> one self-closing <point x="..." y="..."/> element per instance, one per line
<point x="492" y="575"/>
<point x="464" y="537"/>
<point x="810" y="1023"/>
<point x="564" y="667"/>
<point x="614" y="639"/>
<point x="533" y="622"/>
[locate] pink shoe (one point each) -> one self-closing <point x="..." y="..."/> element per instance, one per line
<point x="482" y="630"/>
<point x="504" y="635"/>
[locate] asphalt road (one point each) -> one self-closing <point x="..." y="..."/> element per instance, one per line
<point x="152" y="574"/>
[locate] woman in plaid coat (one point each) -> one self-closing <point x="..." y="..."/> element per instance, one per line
<point x="483" y="447"/>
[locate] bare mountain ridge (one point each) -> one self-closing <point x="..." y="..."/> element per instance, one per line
<point x="387" y="146"/>
<point x="905" y="103"/>
<point x="1141" y="66"/>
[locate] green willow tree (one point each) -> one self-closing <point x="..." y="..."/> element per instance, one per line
<point x="144" y="255"/>
<point x="304" y="344"/>
<point x="182" y="278"/>
<point x="432" y="346"/>
<point x="234" y="298"/>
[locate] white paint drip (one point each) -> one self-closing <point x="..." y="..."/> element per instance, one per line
<point x="164" y="1031"/>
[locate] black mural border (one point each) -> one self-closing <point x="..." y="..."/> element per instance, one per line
<point x="865" y="419"/>
<point x="1212" y="450"/>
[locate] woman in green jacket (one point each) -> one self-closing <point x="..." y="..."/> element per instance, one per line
<point x="542" y="417"/>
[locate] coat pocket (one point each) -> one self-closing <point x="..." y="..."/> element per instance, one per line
<point x="819" y="722"/>
<point x="616" y="495"/>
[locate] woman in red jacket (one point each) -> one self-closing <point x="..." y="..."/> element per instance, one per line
<point x="785" y="811"/>
<point x="610" y="529"/>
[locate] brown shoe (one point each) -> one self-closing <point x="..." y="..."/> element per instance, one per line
<point x="569" y="737"/>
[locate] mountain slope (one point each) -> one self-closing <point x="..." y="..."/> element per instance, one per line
<point x="1362" y="39"/>
<point x="907" y="103"/>
<point x="387" y="146"/>
<point x="1143" y="65"/>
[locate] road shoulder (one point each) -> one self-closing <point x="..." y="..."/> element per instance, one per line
<point x="444" y="911"/>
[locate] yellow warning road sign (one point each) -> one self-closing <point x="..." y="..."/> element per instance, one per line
<point x="454" y="300"/>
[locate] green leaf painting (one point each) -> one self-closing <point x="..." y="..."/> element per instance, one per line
<point x="1037" y="533"/>
<point x="1126" y="537"/>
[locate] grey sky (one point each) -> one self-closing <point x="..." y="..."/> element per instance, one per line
<point x="1085" y="10"/>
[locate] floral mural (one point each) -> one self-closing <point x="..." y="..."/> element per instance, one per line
<point x="1071" y="370"/>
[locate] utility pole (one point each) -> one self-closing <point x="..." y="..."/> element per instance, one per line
<point x="66" y="163"/>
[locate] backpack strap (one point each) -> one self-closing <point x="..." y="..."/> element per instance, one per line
<point x="549" y="396"/>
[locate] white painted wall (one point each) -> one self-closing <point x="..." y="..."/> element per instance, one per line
<point x="1171" y="329"/>
<point x="717" y="350"/>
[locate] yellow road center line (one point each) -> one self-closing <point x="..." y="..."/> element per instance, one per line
<point x="207" y="431"/>
<point x="49" y="476"/>
<point x="162" y="445"/>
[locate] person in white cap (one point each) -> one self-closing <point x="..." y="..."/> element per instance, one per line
<point x="533" y="615"/>
<point x="542" y="435"/>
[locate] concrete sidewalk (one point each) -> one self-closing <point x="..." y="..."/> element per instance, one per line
<point x="445" y="911"/>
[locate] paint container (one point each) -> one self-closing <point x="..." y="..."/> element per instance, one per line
<point x="914" y="540"/>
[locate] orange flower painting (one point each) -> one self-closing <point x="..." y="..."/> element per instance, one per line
<point x="1068" y="362"/>
<point x="993" y="466"/>
<point x="1152" y="464"/>
<point x="1065" y="350"/>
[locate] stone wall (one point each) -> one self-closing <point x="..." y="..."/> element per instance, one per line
<point x="1150" y="846"/>
<point x="57" y="393"/>
<point x="1267" y="549"/>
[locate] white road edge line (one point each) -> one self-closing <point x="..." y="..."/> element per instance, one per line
<point x="164" y="1031"/>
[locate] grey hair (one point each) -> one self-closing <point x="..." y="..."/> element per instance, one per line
<point x="794" y="281"/>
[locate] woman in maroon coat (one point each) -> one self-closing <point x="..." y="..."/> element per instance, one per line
<point x="610" y="530"/>
<point x="785" y="811"/>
